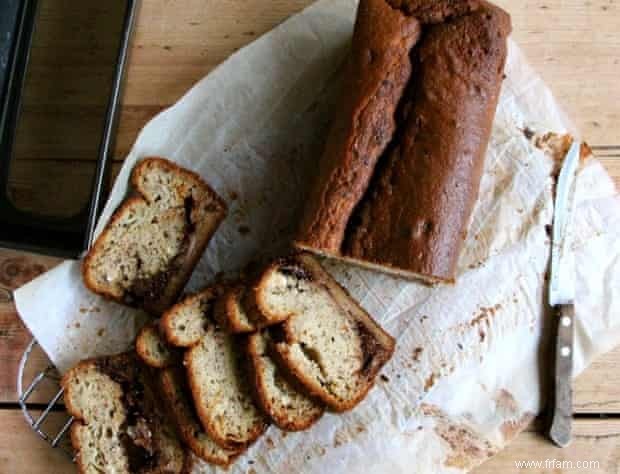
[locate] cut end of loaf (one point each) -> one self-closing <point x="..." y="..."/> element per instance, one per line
<point x="385" y="268"/>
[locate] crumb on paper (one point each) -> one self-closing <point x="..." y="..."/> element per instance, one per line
<point x="417" y="352"/>
<point x="430" y="381"/>
<point x="384" y="378"/>
<point x="511" y="428"/>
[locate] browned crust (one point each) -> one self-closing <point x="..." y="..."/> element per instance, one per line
<point x="382" y="343"/>
<point x="167" y="320"/>
<point x="377" y="72"/>
<point x="186" y="424"/>
<point x="254" y="301"/>
<point x="196" y="248"/>
<point x="88" y="281"/>
<point x="75" y="442"/>
<point x="402" y="223"/>
<point x="79" y="420"/>
<point x="255" y="371"/>
<point x="418" y="208"/>
<point x="204" y="415"/>
<point x="225" y="310"/>
<point x="142" y="347"/>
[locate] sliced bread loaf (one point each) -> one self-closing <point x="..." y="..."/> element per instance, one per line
<point x="328" y="343"/>
<point x="153" y="350"/>
<point x="184" y="324"/>
<point x="230" y="313"/>
<point x="176" y="393"/>
<point x="287" y="406"/>
<point x="149" y="248"/>
<point x="120" y="426"/>
<point x="221" y="390"/>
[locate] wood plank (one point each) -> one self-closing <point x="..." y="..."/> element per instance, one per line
<point x="595" y="441"/>
<point x="22" y="451"/>
<point x="574" y="46"/>
<point x="597" y="389"/>
<point x="16" y="269"/>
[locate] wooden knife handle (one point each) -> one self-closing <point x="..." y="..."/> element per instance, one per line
<point x="561" y="425"/>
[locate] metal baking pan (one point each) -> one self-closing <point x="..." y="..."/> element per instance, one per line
<point x="29" y="230"/>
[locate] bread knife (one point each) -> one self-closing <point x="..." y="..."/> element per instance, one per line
<point x="562" y="297"/>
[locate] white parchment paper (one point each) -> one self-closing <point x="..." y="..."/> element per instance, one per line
<point x="470" y="368"/>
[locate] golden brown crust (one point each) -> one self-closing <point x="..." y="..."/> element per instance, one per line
<point x="254" y="303"/>
<point x="406" y="213"/>
<point x="377" y="73"/>
<point x="86" y="262"/>
<point x="198" y="238"/>
<point x="167" y="324"/>
<point x="205" y="417"/>
<point x="417" y="211"/>
<point x="152" y="332"/>
<point x="258" y="384"/>
<point x="187" y="424"/>
<point x="226" y="311"/>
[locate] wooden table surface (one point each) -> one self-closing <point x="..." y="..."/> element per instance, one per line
<point x="574" y="44"/>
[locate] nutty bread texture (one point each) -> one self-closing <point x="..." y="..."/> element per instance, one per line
<point x="218" y="380"/>
<point x="150" y="246"/>
<point x="120" y="425"/>
<point x="328" y="343"/>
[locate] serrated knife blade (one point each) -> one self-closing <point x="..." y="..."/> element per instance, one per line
<point x="562" y="296"/>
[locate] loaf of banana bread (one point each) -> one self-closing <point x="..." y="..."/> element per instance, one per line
<point x="404" y="206"/>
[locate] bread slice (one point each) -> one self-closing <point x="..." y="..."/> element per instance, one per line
<point x="120" y="425"/>
<point x="273" y="278"/>
<point x="221" y="390"/>
<point x="148" y="250"/>
<point x="184" y="324"/>
<point x="328" y="343"/>
<point x="287" y="406"/>
<point x="176" y="393"/>
<point x="230" y="313"/>
<point x="153" y="349"/>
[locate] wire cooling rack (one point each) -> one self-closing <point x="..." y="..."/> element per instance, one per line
<point x="36" y="422"/>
